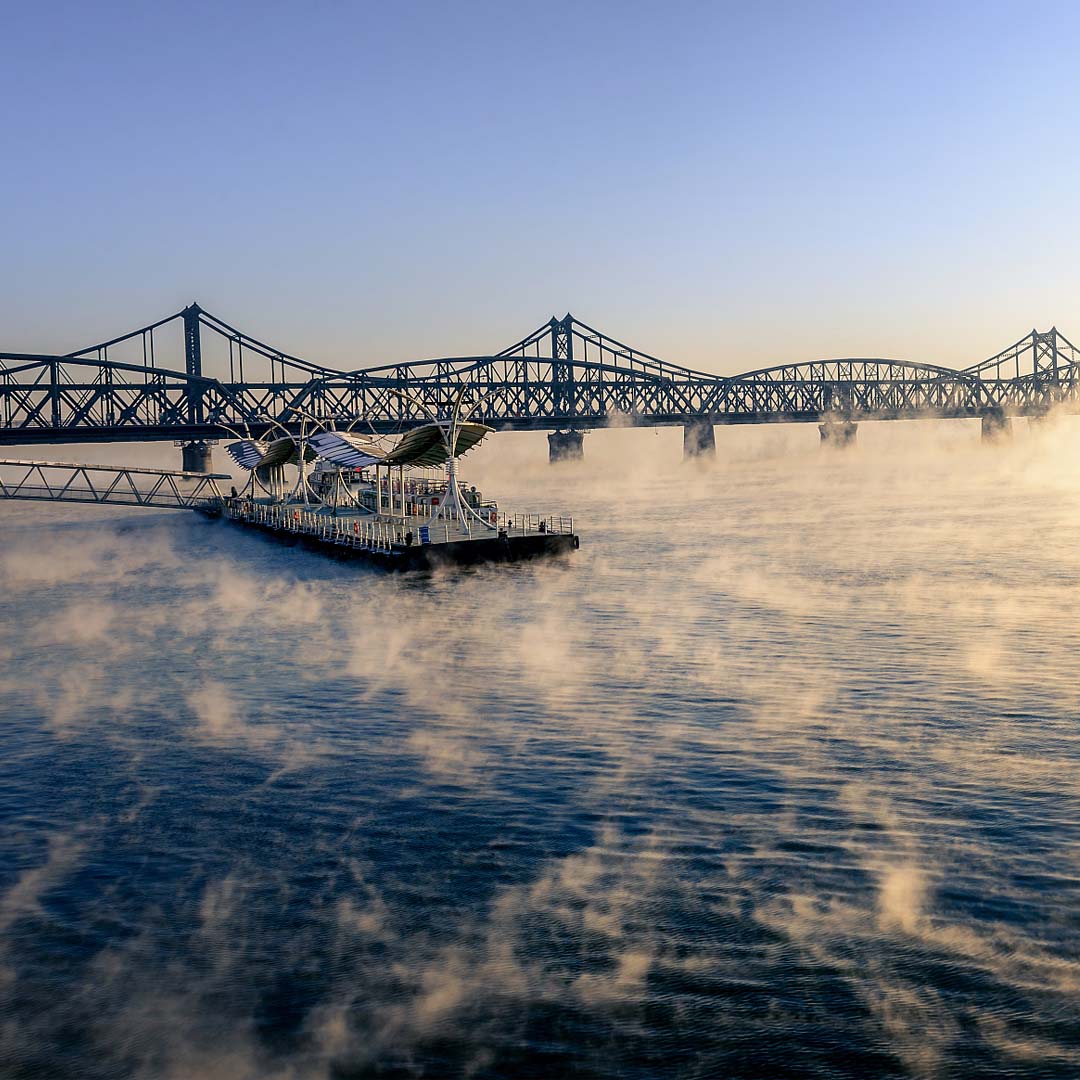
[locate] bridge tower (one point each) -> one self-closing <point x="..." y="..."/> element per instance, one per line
<point x="196" y="455"/>
<point x="562" y="365"/>
<point x="1047" y="371"/>
<point x="564" y="445"/>
<point x="192" y="339"/>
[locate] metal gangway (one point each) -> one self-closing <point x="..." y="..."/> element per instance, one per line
<point x="120" y="485"/>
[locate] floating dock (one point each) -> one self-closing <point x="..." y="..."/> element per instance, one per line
<point x="408" y="542"/>
<point x="398" y="507"/>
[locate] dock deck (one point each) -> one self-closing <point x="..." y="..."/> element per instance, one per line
<point x="408" y="542"/>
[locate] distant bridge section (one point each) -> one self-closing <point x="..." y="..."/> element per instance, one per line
<point x="193" y="377"/>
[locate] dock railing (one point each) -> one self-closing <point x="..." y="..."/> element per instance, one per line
<point x="372" y="534"/>
<point x="375" y="533"/>
<point x="533" y="523"/>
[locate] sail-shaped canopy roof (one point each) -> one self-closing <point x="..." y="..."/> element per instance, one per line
<point x="346" y="449"/>
<point x="422" y="447"/>
<point x="258" y="454"/>
<point x="425" y="446"/>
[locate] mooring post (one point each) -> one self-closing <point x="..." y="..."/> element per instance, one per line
<point x="838" y="434"/>
<point x="996" y="426"/>
<point x="698" y="439"/>
<point x="566" y="446"/>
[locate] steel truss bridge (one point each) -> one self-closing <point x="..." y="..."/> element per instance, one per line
<point x="191" y="376"/>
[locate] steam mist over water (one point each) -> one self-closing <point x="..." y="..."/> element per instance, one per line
<point x="778" y="776"/>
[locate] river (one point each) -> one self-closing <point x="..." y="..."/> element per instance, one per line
<point x="778" y="776"/>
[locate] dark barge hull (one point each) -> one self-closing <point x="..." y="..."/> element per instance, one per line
<point x="429" y="556"/>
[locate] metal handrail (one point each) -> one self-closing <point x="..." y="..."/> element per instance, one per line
<point x="372" y="533"/>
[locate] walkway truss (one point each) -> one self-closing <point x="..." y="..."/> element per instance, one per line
<point x="192" y="376"/>
<point x="54" y="481"/>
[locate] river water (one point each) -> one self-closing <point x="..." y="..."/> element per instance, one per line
<point x="777" y="776"/>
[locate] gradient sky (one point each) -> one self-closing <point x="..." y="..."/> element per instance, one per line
<point x="725" y="185"/>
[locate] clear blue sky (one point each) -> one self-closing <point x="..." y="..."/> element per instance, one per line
<point x="726" y="185"/>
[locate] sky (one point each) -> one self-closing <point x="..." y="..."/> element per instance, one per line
<point x="723" y="185"/>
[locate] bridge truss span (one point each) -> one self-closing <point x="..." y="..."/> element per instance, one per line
<point x="193" y="376"/>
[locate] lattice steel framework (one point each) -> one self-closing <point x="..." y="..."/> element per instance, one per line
<point x="56" y="481"/>
<point x="221" y="381"/>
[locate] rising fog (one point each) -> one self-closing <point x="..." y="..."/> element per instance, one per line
<point x="793" y="732"/>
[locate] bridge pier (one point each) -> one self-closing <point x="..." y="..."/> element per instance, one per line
<point x="196" y="456"/>
<point x="838" y="433"/>
<point x="996" y="426"/>
<point x="698" y="439"/>
<point x="566" y="446"/>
